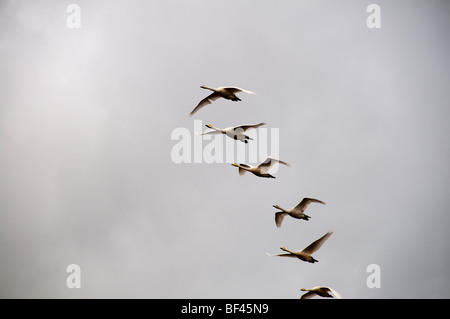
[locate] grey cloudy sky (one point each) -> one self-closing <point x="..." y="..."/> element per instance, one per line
<point x="86" y="174"/>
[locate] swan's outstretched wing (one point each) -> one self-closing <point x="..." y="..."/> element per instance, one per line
<point x="249" y="126"/>
<point x="279" y="218"/>
<point x="270" y="161"/>
<point x="317" y="244"/>
<point x="267" y="164"/>
<point x="235" y="89"/>
<point x="305" y="202"/>
<point x="308" y="295"/>
<point x="334" y="292"/>
<point x="207" y="100"/>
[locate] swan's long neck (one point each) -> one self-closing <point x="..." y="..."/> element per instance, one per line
<point x="282" y="209"/>
<point x="208" y="88"/>
<point x="243" y="167"/>
<point x="250" y="169"/>
<point x="216" y="129"/>
<point x="303" y="289"/>
<point x="285" y="249"/>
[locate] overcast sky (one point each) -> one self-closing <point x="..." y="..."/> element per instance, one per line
<point x="87" y="178"/>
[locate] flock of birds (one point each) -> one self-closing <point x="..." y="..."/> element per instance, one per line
<point x="262" y="170"/>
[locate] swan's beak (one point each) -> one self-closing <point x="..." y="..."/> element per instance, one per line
<point x="234" y="164"/>
<point x="207" y="125"/>
<point x="303" y="289"/>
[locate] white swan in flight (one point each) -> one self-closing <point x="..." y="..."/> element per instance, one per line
<point x="224" y="92"/>
<point x="295" y="212"/>
<point x="235" y="132"/>
<point x="306" y="254"/>
<point x="321" y="291"/>
<point x="261" y="170"/>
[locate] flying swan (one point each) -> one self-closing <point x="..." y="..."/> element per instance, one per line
<point x="306" y="254"/>
<point x="235" y="132"/>
<point x="321" y="291"/>
<point x="261" y="170"/>
<point x="225" y="92"/>
<point x="295" y="212"/>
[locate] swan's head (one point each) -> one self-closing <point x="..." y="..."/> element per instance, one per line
<point x="234" y="164"/>
<point x="203" y="87"/>
<point x="303" y="289"/>
<point x="209" y="126"/>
